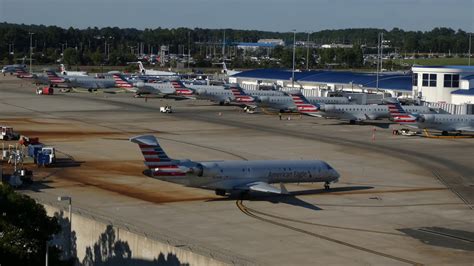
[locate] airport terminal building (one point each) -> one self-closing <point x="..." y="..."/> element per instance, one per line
<point x="447" y="87"/>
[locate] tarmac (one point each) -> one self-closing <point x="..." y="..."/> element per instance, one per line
<point x="400" y="199"/>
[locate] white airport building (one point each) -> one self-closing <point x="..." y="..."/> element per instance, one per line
<point x="444" y="84"/>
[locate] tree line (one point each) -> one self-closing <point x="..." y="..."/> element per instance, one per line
<point x="116" y="46"/>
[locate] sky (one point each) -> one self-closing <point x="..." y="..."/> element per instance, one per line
<point x="270" y="15"/>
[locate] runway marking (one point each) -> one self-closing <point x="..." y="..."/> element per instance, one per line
<point x="248" y="212"/>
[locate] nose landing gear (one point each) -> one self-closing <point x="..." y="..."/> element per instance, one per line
<point x="326" y="186"/>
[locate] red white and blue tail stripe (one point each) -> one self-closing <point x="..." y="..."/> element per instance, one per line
<point x="302" y="104"/>
<point x="240" y="95"/>
<point x="54" y="78"/>
<point x="181" y="89"/>
<point x="21" y="73"/>
<point x="399" y="115"/>
<point x="155" y="157"/>
<point x="120" y="82"/>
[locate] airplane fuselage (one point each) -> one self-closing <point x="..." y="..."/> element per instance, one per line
<point x="365" y="112"/>
<point x="230" y="175"/>
<point x="286" y="103"/>
<point x="446" y="122"/>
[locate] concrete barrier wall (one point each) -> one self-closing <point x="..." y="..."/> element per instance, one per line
<point x="95" y="242"/>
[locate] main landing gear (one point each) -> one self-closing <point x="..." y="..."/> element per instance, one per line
<point x="326" y="186"/>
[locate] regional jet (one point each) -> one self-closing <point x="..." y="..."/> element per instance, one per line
<point x="352" y="112"/>
<point x="72" y="73"/>
<point x="443" y="122"/>
<point x="170" y="89"/>
<point x="233" y="93"/>
<point x="229" y="176"/>
<point x="86" y="82"/>
<point x="12" y="69"/>
<point x="286" y="103"/>
<point x="152" y="72"/>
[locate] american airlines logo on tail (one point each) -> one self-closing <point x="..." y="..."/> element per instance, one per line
<point x="20" y="73"/>
<point x="241" y="96"/>
<point x="399" y="115"/>
<point x="121" y="83"/>
<point x="156" y="159"/>
<point x="180" y="88"/>
<point x="54" y="78"/>
<point x="302" y="104"/>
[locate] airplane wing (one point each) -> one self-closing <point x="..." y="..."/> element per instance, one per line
<point x="264" y="187"/>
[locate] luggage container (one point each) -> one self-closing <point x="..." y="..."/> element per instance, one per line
<point x="34" y="149"/>
<point x="45" y="91"/>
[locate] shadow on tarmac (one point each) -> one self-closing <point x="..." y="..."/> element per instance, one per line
<point x="290" y="199"/>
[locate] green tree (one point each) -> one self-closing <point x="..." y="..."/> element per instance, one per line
<point x="24" y="230"/>
<point x="71" y="56"/>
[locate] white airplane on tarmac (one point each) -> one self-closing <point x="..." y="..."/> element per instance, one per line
<point x="352" y="112"/>
<point x="152" y="72"/>
<point x="71" y="73"/>
<point x="168" y="89"/>
<point x="443" y="122"/>
<point x="232" y="176"/>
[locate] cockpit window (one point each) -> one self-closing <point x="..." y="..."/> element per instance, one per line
<point x="328" y="166"/>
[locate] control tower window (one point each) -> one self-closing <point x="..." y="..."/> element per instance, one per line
<point x="451" y="80"/>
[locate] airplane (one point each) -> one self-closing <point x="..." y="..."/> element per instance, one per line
<point x="285" y="103"/>
<point x="151" y="72"/>
<point x="232" y="176"/>
<point x="226" y="71"/>
<point x="352" y="112"/>
<point x="443" y="122"/>
<point x="86" y="82"/>
<point x="232" y="93"/>
<point x="12" y="69"/>
<point x="71" y="73"/>
<point x="170" y="89"/>
<point x="34" y="77"/>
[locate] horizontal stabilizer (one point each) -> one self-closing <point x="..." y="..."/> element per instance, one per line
<point x="149" y="140"/>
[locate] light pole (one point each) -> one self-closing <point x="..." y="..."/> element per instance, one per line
<point x="31" y="49"/>
<point x="69" y="199"/>
<point x="307" y="53"/>
<point x="470" y="37"/>
<point x="294" y="49"/>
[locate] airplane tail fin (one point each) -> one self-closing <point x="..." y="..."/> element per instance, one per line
<point x="155" y="157"/>
<point x="399" y="115"/>
<point x="53" y="77"/>
<point x="20" y="72"/>
<point x="62" y="68"/>
<point x="141" y="67"/>
<point x="120" y="82"/>
<point x="181" y="89"/>
<point x="302" y="104"/>
<point x="240" y="95"/>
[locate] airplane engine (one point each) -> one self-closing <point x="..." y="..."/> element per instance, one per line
<point x="326" y="107"/>
<point x="425" y="118"/>
<point x="140" y="84"/>
<point x="262" y="99"/>
<point x="201" y="91"/>
<point x="206" y="169"/>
